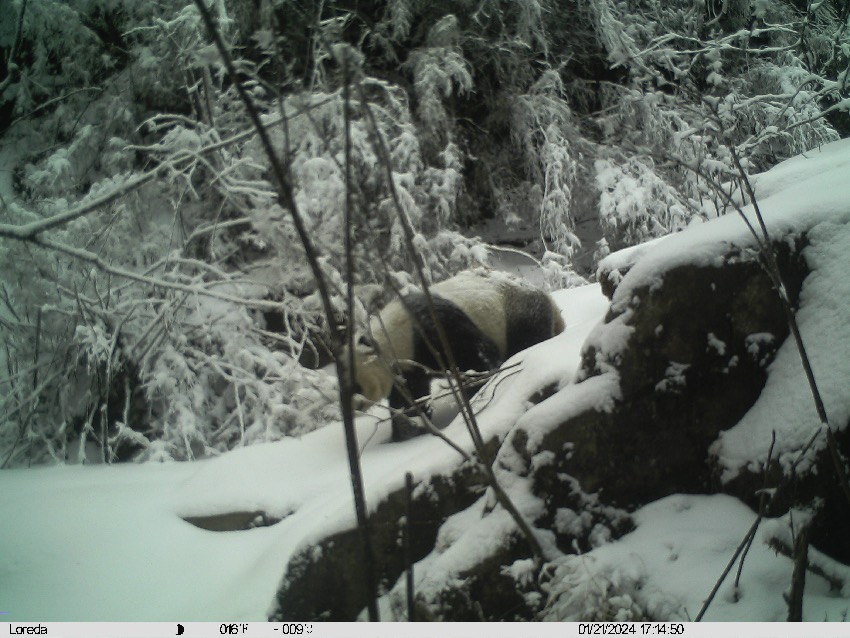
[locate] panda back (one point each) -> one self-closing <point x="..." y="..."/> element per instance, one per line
<point x="486" y="319"/>
<point x="472" y="348"/>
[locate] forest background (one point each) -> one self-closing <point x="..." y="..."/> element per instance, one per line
<point x="155" y="302"/>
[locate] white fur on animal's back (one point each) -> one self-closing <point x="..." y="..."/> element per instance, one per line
<point x="475" y="294"/>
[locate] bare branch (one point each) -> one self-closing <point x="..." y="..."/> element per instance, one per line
<point x="33" y="229"/>
<point x="798" y="578"/>
<point x="833" y="572"/>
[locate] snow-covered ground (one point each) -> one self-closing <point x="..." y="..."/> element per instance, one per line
<point x="671" y="562"/>
<point x="109" y="543"/>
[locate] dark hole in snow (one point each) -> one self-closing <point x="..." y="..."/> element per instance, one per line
<point x="232" y="521"/>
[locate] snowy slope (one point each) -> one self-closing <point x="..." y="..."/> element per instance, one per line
<point x="108" y="543"/>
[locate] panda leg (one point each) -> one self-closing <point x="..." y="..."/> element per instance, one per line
<point x="418" y="385"/>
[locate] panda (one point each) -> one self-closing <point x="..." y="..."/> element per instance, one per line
<point x="486" y="317"/>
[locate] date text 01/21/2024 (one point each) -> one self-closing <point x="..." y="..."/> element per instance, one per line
<point x="631" y="629"/>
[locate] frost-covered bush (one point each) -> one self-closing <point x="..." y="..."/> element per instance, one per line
<point x="544" y="132"/>
<point x="168" y="323"/>
<point x="315" y="135"/>
<point x="703" y="81"/>
<point x="635" y="203"/>
<point x="164" y="312"/>
<point x="578" y="588"/>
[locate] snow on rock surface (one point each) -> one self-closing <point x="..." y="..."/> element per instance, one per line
<point x="808" y="194"/>
<point x="785" y="405"/>
<point x="793" y="196"/>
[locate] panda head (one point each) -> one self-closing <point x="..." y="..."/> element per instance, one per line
<point x="372" y="375"/>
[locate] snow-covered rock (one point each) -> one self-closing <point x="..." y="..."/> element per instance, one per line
<point x="680" y="390"/>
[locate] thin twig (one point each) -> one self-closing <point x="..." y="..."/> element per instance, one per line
<point x="101" y="264"/>
<point x="747" y="539"/>
<point x="763" y="501"/>
<point x="817" y="566"/>
<point x="798" y="578"/>
<point x="408" y="552"/>
<point x="346" y="367"/>
<point x="33" y="229"/>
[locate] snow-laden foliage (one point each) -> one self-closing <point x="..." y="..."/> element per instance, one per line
<point x="170" y="315"/>
<point x="703" y="81"/>
<point x="169" y="323"/>
<point x="582" y="591"/>
<point x="636" y="203"/>
<point x="544" y="129"/>
<point x="315" y="136"/>
<point x="439" y="71"/>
